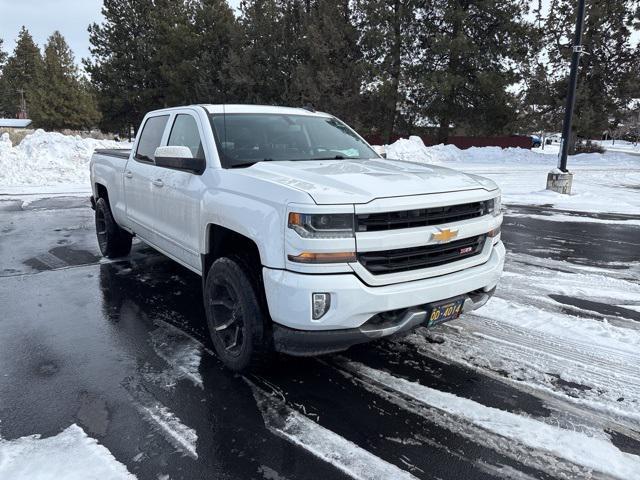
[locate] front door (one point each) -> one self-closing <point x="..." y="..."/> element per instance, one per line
<point x="177" y="201"/>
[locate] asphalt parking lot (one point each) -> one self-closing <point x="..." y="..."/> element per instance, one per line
<point x="120" y="349"/>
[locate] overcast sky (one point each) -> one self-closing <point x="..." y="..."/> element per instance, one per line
<point x="71" y="17"/>
<point x="43" y="17"/>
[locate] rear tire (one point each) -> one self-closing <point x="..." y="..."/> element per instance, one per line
<point x="236" y="314"/>
<point x="112" y="240"/>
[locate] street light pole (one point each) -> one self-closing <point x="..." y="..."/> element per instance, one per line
<point x="573" y="82"/>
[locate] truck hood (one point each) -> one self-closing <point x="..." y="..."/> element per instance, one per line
<point x="361" y="181"/>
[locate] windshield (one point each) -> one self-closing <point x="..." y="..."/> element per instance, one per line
<point x="246" y="138"/>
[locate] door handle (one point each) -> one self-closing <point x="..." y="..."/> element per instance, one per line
<point x="128" y="174"/>
<point x="158" y="183"/>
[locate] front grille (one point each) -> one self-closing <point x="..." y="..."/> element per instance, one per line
<point x="422" y="217"/>
<point x="414" y="258"/>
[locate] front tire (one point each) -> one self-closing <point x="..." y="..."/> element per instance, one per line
<point x="236" y="316"/>
<point x="112" y="240"/>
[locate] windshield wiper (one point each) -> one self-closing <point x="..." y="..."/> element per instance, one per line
<point x="335" y="157"/>
<point x="248" y="164"/>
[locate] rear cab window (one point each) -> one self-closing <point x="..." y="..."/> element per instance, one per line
<point x="150" y="138"/>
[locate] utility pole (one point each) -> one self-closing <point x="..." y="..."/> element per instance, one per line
<point x="561" y="182"/>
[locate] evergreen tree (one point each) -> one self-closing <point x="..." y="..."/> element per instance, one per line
<point x="23" y="74"/>
<point x="474" y="56"/>
<point x="389" y="29"/>
<point x="540" y="106"/>
<point x="3" y="55"/>
<point x="64" y="101"/>
<point x="606" y="70"/>
<point x="151" y="54"/>
<point x="329" y="74"/>
<point x="263" y="63"/>
<point x="171" y="47"/>
<point x="216" y="37"/>
<point x="3" y="59"/>
<point x="123" y="66"/>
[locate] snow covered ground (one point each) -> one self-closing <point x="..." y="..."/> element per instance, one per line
<point x="70" y="455"/>
<point x="620" y="146"/>
<point x="607" y="182"/>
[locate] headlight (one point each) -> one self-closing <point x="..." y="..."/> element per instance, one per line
<point x="494" y="205"/>
<point x="330" y="225"/>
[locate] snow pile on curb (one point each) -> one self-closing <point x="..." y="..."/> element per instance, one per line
<point x="48" y="158"/>
<point x="412" y="150"/>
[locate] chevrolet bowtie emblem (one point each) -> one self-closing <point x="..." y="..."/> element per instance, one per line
<point x="444" y="235"/>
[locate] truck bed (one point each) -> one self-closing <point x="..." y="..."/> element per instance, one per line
<point x="114" y="152"/>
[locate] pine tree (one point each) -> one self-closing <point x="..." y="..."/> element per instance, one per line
<point x="3" y="55"/>
<point x="540" y="101"/>
<point x="261" y="67"/>
<point x="172" y="45"/>
<point x="389" y="29"/>
<point x="123" y="66"/>
<point x="216" y="36"/>
<point x="471" y="59"/>
<point x="607" y="66"/>
<point x="329" y="75"/>
<point x="64" y="100"/>
<point x="22" y="74"/>
<point x="151" y="54"/>
<point x="3" y="59"/>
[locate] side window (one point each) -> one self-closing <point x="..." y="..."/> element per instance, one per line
<point x="185" y="133"/>
<point x="150" y="137"/>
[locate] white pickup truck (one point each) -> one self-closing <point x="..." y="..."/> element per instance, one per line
<point x="306" y="239"/>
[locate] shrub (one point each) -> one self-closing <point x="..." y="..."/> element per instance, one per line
<point x="589" y="147"/>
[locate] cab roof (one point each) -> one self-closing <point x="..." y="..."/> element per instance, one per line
<point x="262" y="109"/>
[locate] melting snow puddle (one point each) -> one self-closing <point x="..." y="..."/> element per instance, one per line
<point x="69" y="455"/>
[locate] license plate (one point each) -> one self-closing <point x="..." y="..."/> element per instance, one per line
<point x="445" y="311"/>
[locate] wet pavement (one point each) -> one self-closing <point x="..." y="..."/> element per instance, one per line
<point x="120" y="348"/>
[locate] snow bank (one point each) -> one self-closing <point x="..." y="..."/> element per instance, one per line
<point x="602" y="182"/>
<point x="48" y="158"/>
<point x="412" y="150"/>
<point x="70" y="455"/>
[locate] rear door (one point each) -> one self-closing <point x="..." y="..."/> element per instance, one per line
<point x="177" y="201"/>
<point x="139" y="176"/>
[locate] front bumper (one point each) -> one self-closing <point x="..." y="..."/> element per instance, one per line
<point x="310" y="342"/>
<point x="353" y="303"/>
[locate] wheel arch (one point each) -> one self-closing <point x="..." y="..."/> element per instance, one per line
<point x="222" y="241"/>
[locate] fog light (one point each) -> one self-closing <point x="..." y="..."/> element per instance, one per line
<point x="320" y="303"/>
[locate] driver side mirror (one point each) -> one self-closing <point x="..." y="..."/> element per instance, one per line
<point x="179" y="158"/>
